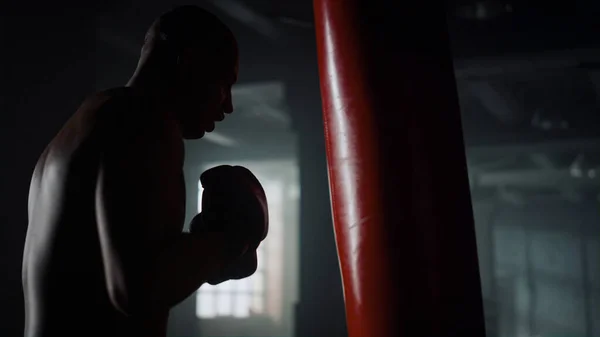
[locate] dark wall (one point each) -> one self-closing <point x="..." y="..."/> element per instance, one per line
<point x="44" y="77"/>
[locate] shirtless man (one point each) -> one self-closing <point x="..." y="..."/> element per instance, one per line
<point x="105" y="253"/>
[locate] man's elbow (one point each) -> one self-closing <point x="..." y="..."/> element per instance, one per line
<point x="134" y="300"/>
<point x="124" y="291"/>
<point x="121" y="299"/>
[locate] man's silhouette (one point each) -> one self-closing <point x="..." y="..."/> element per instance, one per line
<point x="105" y="254"/>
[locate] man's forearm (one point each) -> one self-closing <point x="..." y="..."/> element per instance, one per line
<point x="180" y="270"/>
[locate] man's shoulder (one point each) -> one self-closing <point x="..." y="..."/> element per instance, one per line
<point x="78" y="130"/>
<point x="118" y="112"/>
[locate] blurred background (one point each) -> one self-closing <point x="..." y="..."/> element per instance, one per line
<point x="528" y="77"/>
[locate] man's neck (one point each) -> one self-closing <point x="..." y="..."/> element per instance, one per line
<point x="151" y="80"/>
<point x="154" y="98"/>
<point x="157" y="96"/>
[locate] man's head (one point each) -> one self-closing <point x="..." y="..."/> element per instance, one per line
<point x="191" y="57"/>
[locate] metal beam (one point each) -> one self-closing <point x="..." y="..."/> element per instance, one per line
<point x="542" y="160"/>
<point x="559" y="179"/>
<point x="246" y="15"/>
<point x="279" y="147"/>
<point x="524" y="63"/>
<point x="221" y="139"/>
<point x="558" y="146"/>
<point x="499" y="103"/>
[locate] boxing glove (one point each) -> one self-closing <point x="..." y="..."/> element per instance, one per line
<point x="233" y="201"/>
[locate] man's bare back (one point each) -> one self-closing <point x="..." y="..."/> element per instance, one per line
<point x="62" y="261"/>
<point x="105" y="254"/>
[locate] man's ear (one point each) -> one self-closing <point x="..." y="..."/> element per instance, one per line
<point x="191" y="56"/>
<point x="183" y="57"/>
<point x="183" y="64"/>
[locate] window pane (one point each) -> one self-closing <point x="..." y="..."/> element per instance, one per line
<point x="244" y="285"/>
<point x="258" y="285"/>
<point x="258" y="304"/>
<point x="207" y="288"/>
<point x="224" y="304"/>
<point x="242" y="305"/>
<point x="226" y="286"/>
<point x="205" y="305"/>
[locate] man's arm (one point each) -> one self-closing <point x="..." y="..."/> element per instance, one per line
<point x="138" y="198"/>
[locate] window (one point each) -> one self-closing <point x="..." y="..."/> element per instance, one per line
<point x="240" y="298"/>
<point x="262" y="294"/>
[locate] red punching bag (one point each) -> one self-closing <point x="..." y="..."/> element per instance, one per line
<point x="397" y="169"/>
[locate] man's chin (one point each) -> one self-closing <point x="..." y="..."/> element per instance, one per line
<point x="236" y="276"/>
<point x="194" y="135"/>
<point x="215" y="282"/>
